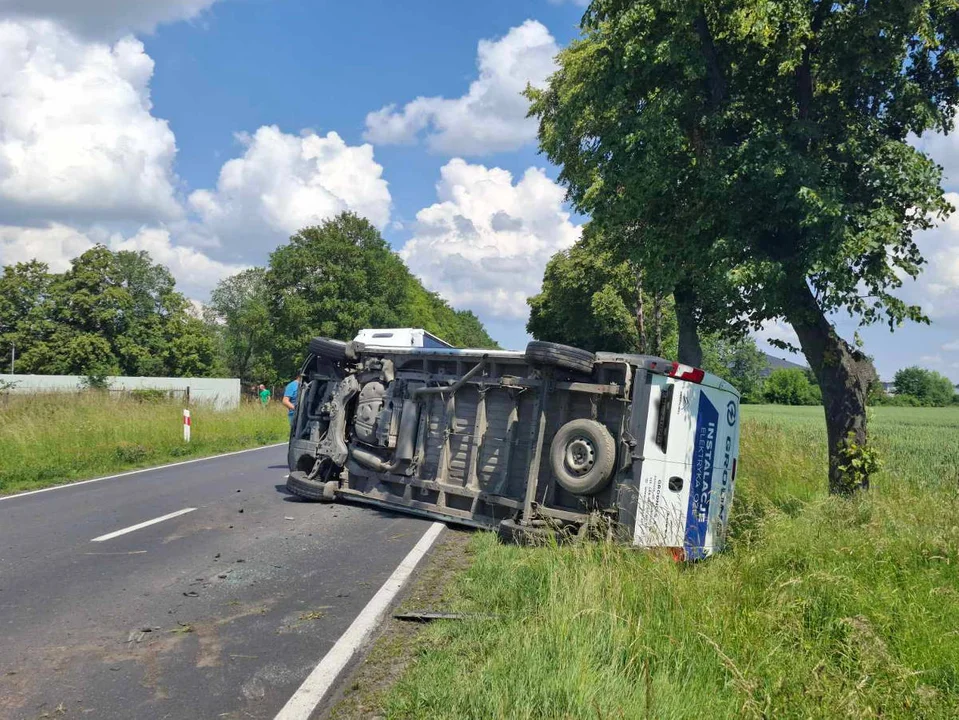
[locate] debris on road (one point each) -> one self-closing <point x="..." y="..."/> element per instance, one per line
<point x="425" y="617"/>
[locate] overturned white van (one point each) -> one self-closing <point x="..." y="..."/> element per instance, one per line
<point x="553" y="439"/>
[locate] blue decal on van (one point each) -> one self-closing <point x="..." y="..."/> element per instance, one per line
<point x="704" y="453"/>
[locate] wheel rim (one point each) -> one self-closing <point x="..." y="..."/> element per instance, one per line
<point x="580" y="455"/>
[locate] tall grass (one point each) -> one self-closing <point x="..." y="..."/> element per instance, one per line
<point x="50" y="438"/>
<point x="821" y="607"/>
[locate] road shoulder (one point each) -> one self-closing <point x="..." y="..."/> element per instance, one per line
<point x="361" y="695"/>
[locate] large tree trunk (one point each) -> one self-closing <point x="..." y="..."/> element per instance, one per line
<point x="843" y="373"/>
<point x="640" y="312"/>
<point x="657" y="348"/>
<point x="690" y="351"/>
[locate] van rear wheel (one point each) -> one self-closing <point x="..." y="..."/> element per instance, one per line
<point x="582" y="456"/>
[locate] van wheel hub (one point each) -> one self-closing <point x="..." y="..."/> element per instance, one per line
<point x="580" y="455"/>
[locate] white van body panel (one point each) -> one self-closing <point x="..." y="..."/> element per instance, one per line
<point x="399" y="338"/>
<point x="687" y="481"/>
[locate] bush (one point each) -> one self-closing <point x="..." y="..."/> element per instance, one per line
<point x="927" y="386"/>
<point x="791" y="387"/>
<point x="898" y="401"/>
<point x="148" y="395"/>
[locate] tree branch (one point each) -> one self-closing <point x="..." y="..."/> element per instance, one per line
<point x="805" y="83"/>
<point x="715" y="79"/>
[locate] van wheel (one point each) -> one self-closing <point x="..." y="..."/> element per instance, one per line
<point x="330" y="349"/>
<point x="561" y="356"/>
<point x="582" y="456"/>
<point x="298" y="484"/>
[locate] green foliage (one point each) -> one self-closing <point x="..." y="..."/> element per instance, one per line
<point x="858" y="464"/>
<point x="149" y="395"/>
<point x="111" y="313"/>
<point x="240" y="308"/>
<point x="926" y="386"/>
<point x="756" y="142"/>
<point x="94" y="381"/>
<point x="341" y="276"/>
<point x="897" y="400"/>
<point x="822" y="607"/>
<point x="591" y="299"/>
<point x="739" y="362"/>
<point x="791" y="386"/>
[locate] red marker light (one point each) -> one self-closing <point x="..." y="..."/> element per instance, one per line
<point x="687" y="372"/>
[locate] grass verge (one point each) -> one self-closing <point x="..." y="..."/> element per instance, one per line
<point x="821" y="608"/>
<point x="48" y="439"/>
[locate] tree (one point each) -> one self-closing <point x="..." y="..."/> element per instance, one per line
<point x="927" y="386"/>
<point x="341" y="276"/>
<point x="765" y="144"/>
<point x="109" y="314"/>
<point x="790" y="386"/>
<point x="739" y="362"/>
<point x="592" y="299"/>
<point x="240" y="308"/>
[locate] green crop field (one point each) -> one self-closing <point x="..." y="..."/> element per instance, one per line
<point x="821" y="607"/>
<point x="51" y="438"/>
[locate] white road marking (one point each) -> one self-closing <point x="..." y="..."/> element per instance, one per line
<point x="137" y="472"/>
<point x="315" y="688"/>
<point x="154" y="521"/>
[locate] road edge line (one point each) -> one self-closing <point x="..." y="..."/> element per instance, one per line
<point x="137" y="472"/>
<point x="321" y="680"/>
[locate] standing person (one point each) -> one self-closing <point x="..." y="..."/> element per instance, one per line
<point x="264" y="396"/>
<point x="290" y="394"/>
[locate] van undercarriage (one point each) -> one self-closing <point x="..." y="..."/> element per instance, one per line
<point x="550" y="438"/>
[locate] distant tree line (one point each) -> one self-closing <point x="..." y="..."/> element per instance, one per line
<point x="119" y="313"/>
<point x="917" y="387"/>
<point x="110" y="313"/>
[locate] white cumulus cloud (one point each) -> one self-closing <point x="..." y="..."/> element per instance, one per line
<point x="937" y="288"/>
<point x="491" y="116"/>
<point x="57" y="245"/>
<point x="195" y="272"/>
<point x="77" y="138"/>
<point x="284" y="182"/>
<point x="103" y="18"/>
<point x="53" y="244"/>
<point x="485" y="244"/>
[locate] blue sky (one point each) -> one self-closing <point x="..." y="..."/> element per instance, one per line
<point x="200" y="131"/>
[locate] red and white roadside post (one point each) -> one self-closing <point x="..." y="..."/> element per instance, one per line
<point x="186" y="425"/>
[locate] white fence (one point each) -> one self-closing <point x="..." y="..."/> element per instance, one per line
<point x="222" y="393"/>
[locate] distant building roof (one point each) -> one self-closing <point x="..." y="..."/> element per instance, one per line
<point x="775" y="363"/>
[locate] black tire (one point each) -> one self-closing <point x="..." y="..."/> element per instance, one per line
<point x="582" y="456"/>
<point x="313" y="490"/>
<point x="330" y="349"/>
<point x="561" y="356"/>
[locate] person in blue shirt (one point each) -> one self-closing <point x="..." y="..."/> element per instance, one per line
<point x="290" y="394"/>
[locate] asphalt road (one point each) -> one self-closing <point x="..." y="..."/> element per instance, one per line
<point x="220" y="612"/>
